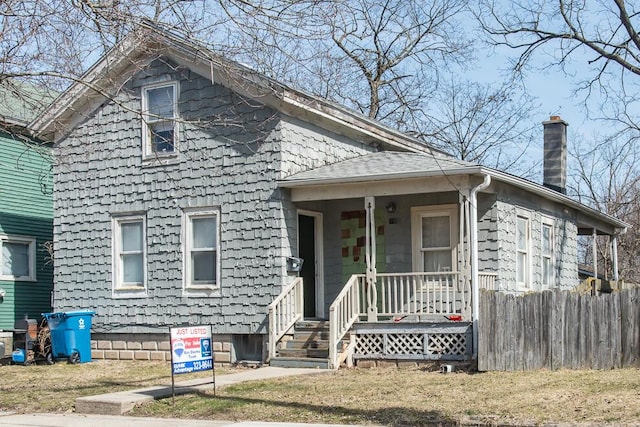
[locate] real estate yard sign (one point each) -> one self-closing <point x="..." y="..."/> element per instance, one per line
<point x="191" y="351"/>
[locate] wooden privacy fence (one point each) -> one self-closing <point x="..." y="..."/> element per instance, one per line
<point x="558" y="329"/>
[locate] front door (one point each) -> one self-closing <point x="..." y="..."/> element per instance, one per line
<point x="310" y="250"/>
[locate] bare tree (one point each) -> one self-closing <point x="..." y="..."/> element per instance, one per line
<point x="607" y="177"/>
<point x="393" y="44"/>
<point x="51" y="43"/>
<point x="483" y="124"/>
<point x="387" y="60"/>
<point x="600" y="37"/>
<point x="398" y="62"/>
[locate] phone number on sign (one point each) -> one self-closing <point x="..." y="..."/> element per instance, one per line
<point x="195" y="366"/>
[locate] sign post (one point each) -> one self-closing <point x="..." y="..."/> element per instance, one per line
<point x="191" y="351"/>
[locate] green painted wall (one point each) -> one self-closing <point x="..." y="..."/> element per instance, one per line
<point x="353" y="232"/>
<point x="26" y="209"/>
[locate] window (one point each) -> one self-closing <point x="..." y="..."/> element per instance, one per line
<point x="522" y="252"/>
<point x="159" y="104"/>
<point x="18" y="258"/>
<point x="201" y="250"/>
<point x="546" y="252"/>
<point x="433" y="237"/>
<point x="129" y="257"/>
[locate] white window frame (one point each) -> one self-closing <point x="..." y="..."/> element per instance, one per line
<point x="419" y="212"/>
<point x="31" y="242"/>
<point x="547" y="222"/>
<point x="526" y="251"/>
<point x="120" y="288"/>
<point x="202" y="288"/>
<point x="148" y="120"/>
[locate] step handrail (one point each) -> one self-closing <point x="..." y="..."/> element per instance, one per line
<point x="284" y="312"/>
<point x="343" y="313"/>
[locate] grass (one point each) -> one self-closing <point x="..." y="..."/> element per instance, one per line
<point x="44" y="388"/>
<point x="387" y="396"/>
<point x="414" y="397"/>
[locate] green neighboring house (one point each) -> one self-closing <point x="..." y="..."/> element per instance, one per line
<point x="26" y="216"/>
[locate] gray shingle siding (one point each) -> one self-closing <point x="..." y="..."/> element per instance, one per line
<point x="231" y="154"/>
<point x="306" y="147"/>
<point x="508" y="207"/>
<point x="487" y="234"/>
<point x="228" y="160"/>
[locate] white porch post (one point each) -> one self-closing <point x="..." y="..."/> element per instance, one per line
<point x="473" y="236"/>
<point x="614" y="256"/>
<point x="594" y="248"/>
<point x="370" y="258"/>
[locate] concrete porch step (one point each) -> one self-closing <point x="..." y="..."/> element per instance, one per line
<point x="309" y="347"/>
<point x="304" y="353"/>
<point x="308" y="343"/>
<point x="298" y="362"/>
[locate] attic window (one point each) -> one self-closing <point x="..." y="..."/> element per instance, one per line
<point x="159" y="105"/>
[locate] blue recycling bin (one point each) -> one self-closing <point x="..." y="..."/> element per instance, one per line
<point x="70" y="335"/>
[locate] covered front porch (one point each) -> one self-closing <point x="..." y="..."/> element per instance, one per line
<point x="397" y="246"/>
<point x="387" y="265"/>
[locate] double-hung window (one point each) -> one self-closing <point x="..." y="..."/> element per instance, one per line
<point x="546" y="253"/>
<point x="160" y="113"/>
<point x="201" y="250"/>
<point x="522" y="252"/>
<point x="18" y="258"/>
<point x="434" y="238"/>
<point x="129" y="253"/>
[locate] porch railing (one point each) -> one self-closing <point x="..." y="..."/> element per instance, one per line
<point x="284" y="312"/>
<point x="408" y="294"/>
<point x="345" y="310"/>
<point x="400" y="295"/>
<point x="487" y="281"/>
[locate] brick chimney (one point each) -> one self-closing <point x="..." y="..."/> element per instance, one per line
<point x="555" y="154"/>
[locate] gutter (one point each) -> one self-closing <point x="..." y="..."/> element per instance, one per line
<point x="473" y="239"/>
<point x="557" y="197"/>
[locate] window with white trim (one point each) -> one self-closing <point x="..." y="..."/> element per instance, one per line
<point x="18" y="258"/>
<point x="434" y="230"/>
<point x="129" y="253"/>
<point x="160" y="113"/>
<point x="201" y="250"/>
<point x="523" y="243"/>
<point x="546" y="254"/>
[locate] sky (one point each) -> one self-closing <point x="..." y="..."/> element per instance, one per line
<point x="554" y="93"/>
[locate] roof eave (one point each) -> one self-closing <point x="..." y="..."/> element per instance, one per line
<point x="83" y="91"/>
<point x="557" y="197"/>
<point x="345" y="117"/>
<point x="87" y="90"/>
<point x="473" y="170"/>
<point x="285" y="183"/>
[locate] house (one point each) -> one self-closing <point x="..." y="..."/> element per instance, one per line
<point x="191" y="190"/>
<point x="26" y="215"/>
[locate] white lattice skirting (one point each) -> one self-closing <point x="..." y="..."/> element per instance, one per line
<point x="440" y="341"/>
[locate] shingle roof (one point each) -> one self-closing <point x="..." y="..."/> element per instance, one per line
<point x="382" y="166"/>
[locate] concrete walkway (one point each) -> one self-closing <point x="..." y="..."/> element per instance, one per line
<point x="74" y="420"/>
<point x="121" y="402"/>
